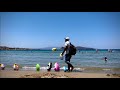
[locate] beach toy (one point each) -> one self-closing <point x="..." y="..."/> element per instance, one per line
<point x="60" y="54"/>
<point x="54" y="49"/>
<point x="56" y="67"/>
<point x="16" y="67"/>
<point x="61" y="57"/>
<point x="2" y="66"/>
<point x="65" y="68"/>
<point x="49" y="66"/>
<point x="37" y="67"/>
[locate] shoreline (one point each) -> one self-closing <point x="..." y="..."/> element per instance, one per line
<point x="76" y="69"/>
<point x="10" y="73"/>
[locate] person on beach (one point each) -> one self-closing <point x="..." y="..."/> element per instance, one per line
<point x="2" y="66"/>
<point x="16" y="67"/>
<point x="67" y="55"/>
<point x="56" y="67"/>
<point x="49" y="66"/>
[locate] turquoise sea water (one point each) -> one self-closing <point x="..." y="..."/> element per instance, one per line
<point x="43" y="57"/>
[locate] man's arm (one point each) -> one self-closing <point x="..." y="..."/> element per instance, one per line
<point x="65" y="48"/>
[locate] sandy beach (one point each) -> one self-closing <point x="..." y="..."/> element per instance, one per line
<point x="52" y="74"/>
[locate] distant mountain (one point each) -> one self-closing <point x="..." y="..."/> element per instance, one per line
<point x="12" y="48"/>
<point x="46" y="48"/>
<point x="82" y="48"/>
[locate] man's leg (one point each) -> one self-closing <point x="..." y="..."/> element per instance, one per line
<point x="67" y="60"/>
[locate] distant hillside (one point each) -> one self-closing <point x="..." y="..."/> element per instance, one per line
<point x="47" y="48"/>
<point x="11" y="48"/>
<point x="82" y="48"/>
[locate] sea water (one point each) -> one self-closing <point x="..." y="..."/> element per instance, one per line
<point x="27" y="59"/>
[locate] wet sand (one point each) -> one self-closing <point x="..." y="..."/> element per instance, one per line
<point x="53" y="74"/>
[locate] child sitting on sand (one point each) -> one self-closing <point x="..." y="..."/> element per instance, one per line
<point x="2" y="66"/>
<point x="56" y="67"/>
<point x="16" y="67"/>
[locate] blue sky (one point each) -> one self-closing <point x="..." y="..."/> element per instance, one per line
<point x="45" y="29"/>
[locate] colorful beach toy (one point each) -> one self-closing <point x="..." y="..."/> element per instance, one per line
<point x="49" y="66"/>
<point x="37" y="67"/>
<point x="2" y="66"/>
<point x="16" y="67"/>
<point x="61" y="57"/>
<point x="56" y="67"/>
<point x="65" y="68"/>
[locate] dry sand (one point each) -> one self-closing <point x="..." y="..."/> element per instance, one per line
<point x="61" y="74"/>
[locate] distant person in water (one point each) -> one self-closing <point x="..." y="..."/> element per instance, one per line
<point x="96" y="50"/>
<point x="2" y="66"/>
<point x="105" y="59"/>
<point x="110" y="50"/>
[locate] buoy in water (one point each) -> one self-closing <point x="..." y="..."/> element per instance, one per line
<point x="54" y="49"/>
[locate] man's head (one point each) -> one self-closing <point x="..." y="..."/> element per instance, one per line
<point x="67" y="39"/>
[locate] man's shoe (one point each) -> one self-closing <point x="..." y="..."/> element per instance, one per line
<point x="72" y="69"/>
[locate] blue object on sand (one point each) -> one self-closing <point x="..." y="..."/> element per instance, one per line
<point x="65" y="68"/>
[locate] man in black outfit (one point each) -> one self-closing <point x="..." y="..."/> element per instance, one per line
<point x="67" y="55"/>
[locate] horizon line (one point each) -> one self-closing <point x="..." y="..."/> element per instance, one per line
<point x="55" y="47"/>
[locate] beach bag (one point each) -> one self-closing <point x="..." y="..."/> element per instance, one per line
<point x="72" y="49"/>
